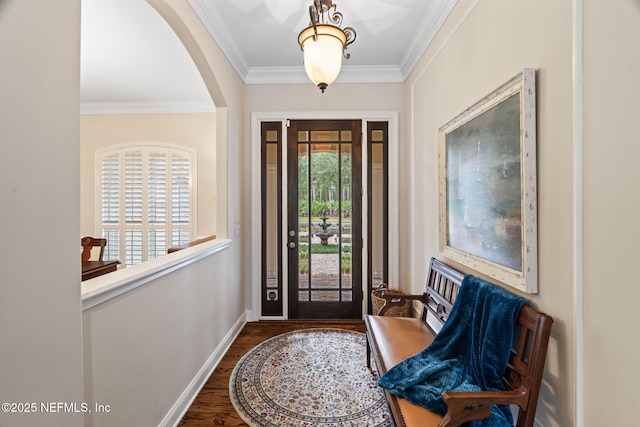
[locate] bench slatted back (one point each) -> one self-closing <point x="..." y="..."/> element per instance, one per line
<point x="532" y="335"/>
<point x="443" y="283"/>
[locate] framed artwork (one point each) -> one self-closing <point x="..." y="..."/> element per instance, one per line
<point x="487" y="176"/>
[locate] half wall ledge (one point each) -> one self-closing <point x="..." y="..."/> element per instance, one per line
<point x="106" y="287"/>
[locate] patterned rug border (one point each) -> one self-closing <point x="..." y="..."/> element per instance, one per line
<point x="351" y="419"/>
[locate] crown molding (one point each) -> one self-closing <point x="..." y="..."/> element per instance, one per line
<point x="94" y="108"/>
<point x="370" y="74"/>
<point x="427" y="30"/>
<point x="218" y="29"/>
<point x="276" y="75"/>
<point x="348" y="74"/>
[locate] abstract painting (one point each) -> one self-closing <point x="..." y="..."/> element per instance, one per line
<point x="488" y="185"/>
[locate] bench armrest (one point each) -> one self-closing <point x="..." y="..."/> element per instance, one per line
<point x="392" y="299"/>
<point x="476" y="405"/>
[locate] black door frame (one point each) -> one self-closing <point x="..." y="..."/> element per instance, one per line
<point x="271" y="296"/>
<point x="383" y="128"/>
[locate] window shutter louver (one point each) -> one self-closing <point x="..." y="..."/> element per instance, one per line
<point x="133" y="246"/>
<point x="157" y="204"/>
<point x="157" y="188"/>
<point x="157" y="243"/>
<point x="111" y="189"/>
<point x="110" y="205"/>
<point x="133" y="207"/>
<point x="180" y="237"/>
<point x="112" y="250"/>
<point x="133" y="187"/>
<point x="146" y="199"/>
<point x="180" y="199"/>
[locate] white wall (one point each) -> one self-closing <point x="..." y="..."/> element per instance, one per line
<point x="611" y="206"/>
<point x="40" y="330"/>
<point x="481" y="46"/>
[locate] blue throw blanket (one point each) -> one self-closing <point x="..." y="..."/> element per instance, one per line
<point x="470" y="353"/>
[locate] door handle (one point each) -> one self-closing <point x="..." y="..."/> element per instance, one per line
<point x="292" y="245"/>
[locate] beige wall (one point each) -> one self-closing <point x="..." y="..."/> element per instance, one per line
<point x="611" y="206"/>
<point x="194" y="130"/>
<point x="482" y="45"/>
<point x="40" y="329"/>
<point x="338" y="97"/>
<point x="211" y="290"/>
<point x="227" y="91"/>
<point x="40" y="308"/>
<point x="197" y="308"/>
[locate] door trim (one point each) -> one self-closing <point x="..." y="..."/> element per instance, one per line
<point x="254" y="310"/>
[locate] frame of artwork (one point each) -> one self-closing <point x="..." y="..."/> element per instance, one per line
<point x="487" y="178"/>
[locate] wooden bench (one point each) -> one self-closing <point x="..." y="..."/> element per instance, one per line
<point x="393" y="339"/>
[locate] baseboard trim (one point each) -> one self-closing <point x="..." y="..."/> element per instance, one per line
<point x="180" y="408"/>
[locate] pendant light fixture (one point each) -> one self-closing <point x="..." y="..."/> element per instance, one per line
<point x="324" y="43"/>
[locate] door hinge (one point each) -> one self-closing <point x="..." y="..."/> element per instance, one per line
<point x="288" y="123"/>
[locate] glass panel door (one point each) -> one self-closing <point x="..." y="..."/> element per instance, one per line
<point x="324" y="219"/>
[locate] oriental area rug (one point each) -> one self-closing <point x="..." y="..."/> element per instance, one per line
<point x="311" y="377"/>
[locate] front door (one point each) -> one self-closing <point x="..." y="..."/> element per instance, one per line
<point x="324" y="219"/>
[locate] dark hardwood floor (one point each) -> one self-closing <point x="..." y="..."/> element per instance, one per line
<point x="213" y="407"/>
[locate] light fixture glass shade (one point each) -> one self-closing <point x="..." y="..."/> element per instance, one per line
<point x="322" y="54"/>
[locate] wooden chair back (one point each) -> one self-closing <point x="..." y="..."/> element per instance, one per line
<point x="88" y="243"/>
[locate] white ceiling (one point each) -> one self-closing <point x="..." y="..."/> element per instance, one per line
<point x="132" y="60"/>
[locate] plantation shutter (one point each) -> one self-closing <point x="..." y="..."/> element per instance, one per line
<point x="146" y="198"/>
<point x="110" y="189"/>
<point x="180" y="200"/>
<point x="133" y="207"/>
<point x="157" y="204"/>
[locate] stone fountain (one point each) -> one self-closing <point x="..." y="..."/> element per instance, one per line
<point x="324" y="234"/>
